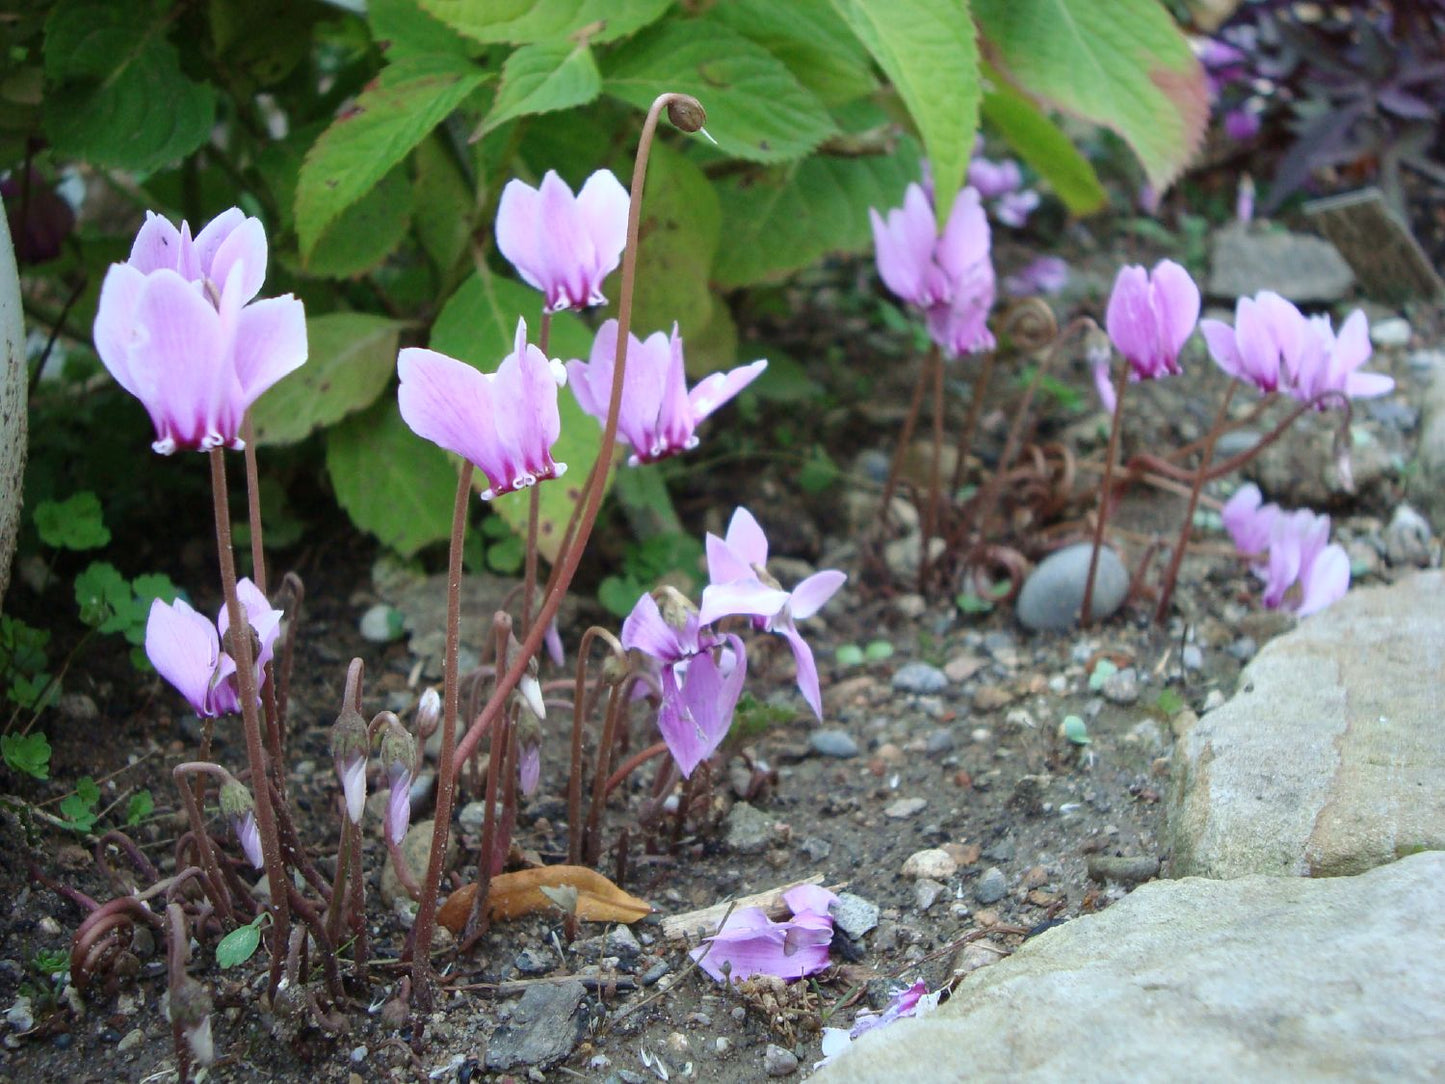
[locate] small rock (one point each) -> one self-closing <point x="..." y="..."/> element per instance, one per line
<point x="833" y="743"/>
<point x="992" y="697"/>
<point x="545" y="1026"/>
<point x="1394" y="331"/>
<point x="749" y="830"/>
<point x="77" y="708"/>
<point x="133" y="1038"/>
<point x="1122" y="686"/>
<point x="910" y="606"/>
<point x="920" y="679"/>
<point x="1132" y="870"/>
<point x="1407" y="538"/>
<point x="816" y="848"/>
<point x="382" y="624"/>
<point x="992" y="886"/>
<point x="1244" y="648"/>
<point x="938" y="742"/>
<point x="854" y="915"/>
<point x="977" y="954"/>
<point x="933" y="862"/>
<point x="926" y="893"/>
<point x="415" y="850"/>
<point x="532" y="961"/>
<point x="1191" y="657"/>
<point x="779" y="1061"/>
<point x="1304" y="268"/>
<point x="962" y="667"/>
<point x="1053" y="593"/>
<point x="905" y="807"/>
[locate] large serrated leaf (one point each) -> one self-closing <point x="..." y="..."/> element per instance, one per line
<point x="390" y="481"/>
<point x="524" y="21"/>
<point x="756" y="108"/>
<point x="403" y="29"/>
<point x="543" y="78"/>
<point x="810" y="38"/>
<point x="928" y="50"/>
<point x="1122" y="64"/>
<point x="443" y="206"/>
<point x="351" y="358"/>
<point x="121" y="99"/>
<point x="1040" y="143"/>
<point x="778" y="221"/>
<point x="478" y="325"/>
<point x="366" y="233"/>
<point x="389" y="118"/>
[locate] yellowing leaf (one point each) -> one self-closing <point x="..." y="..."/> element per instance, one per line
<point x="525" y="892"/>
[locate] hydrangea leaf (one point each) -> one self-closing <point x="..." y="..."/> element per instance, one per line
<point x="810" y="38"/>
<point x="1122" y="64"/>
<point x="756" y="108"/>
<point x="523" y="21"/>
<point x="352" y="357"/>
<point x="928" y="50"/>
<point x="1043" y="145"/>
<point x="543" y="78"/>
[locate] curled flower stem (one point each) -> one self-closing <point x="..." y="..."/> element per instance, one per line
<point x="632" y="763"/>
<point x="580" y="708"/>
<point x="215" y="885"/>
<point x="592" y="836"/>
<point x="1171" y="574"/>
<point x="910" y="420"/>
<point x="497" y="768"/>
<point x="1086" y="617"/>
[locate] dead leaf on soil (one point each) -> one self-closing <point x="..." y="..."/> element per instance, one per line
<point x="528" y="891"/>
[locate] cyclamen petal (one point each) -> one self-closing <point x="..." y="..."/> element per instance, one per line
<point x="183" y="647"/>
<point x="398" y="804"/>
<point x="560" y="244"/>
<point x="749" y="943"/>
<point x="353" y="786"/>
<point x="695" y="719"/>
<point x="745" y="538"/>
<point x="1150" y="315"/>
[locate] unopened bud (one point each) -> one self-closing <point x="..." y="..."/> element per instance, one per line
<point x="676" y="608"/>
<point x="236" y="800"/>
<point x="349" y="749"/>
<point x="190" y="1008"/>
<point x="428" y="713"/>
<point x="686" y="113"/>
<point x="1097" y="348"/>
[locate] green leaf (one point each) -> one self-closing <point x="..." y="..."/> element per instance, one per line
<point x="79" y="808"/>
<point x="390" y="117"/>
<point x="352" y="358"/>
<point x="1104" y="669"/>
<point x="618" y="594"/>
<point x="73" y="524"/>
<point x="442" y="206"/>
<point x="240" y="944"/>
<point x="264" y="39"/>
<point x="28" y="754"/>
<point x="927" y="48"/>
<point x="1043" y="145"/>
<point x="756" y="108"/>
<point x="878" y="650"/>
<point x="366" y="233"/>
<point x="810" y="38"/>
<point x="818" y="473"/>
<point x="507" y="556"/>
<point x="523" y="21"/>
<point x="34" y="692"/>
<point x="150" y="586"/>
<point x="1074" y="730"/>
<point x="102" y="594"/>
<point x="1122" y="64"/>
<point x="478" y="326"/>
<point x="403" y="29"/>
<point x="543" y="78"/>
<point x="848" y="655"/>
<point x="1169" y="703"/>
<point x="970" y="603"/>
<point x="118" y="97"/>
<point x="140" y="806"/>
<point x="777" y="221"/>
<point x="390" y="481"/>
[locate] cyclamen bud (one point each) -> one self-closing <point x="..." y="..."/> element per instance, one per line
<point x="675" y="607"/>
<point x="190" y="1010"/>
<point x="349" y="748"/>
<point x="398" y="757"/>
<point x="687" y="113"/>
<point x="239" y="808"/>
<point x="529" y="745"/>
<point x="428" y="713"/>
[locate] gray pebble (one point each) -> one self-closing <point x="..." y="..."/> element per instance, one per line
<point x="749" y="830"/>
<point x="1122" y="686"/>
<point x="655" y="972"/>
<point x="545" y="1026"/>
<point x="1132" y="870"/>
<point x="833" y="743"/>
<point x="939" y="741"/>
<point x="926" y="893"/>
<point x="532" y="961"/>
<point x="1392" y="331"/>
<point x="816" y="848"/>
<point x="1053" y="593"/>
<point x="1244" y="648"/>
<point x="854" y="915"/>
<point x="1002" y="851"/>
<point x="1407" y="538"/>
<point x="779" y="1061"/>
<point x="1192" y="657"/>
<point x="905" y="807"/>
<point x="382" y="624"/>
<point x="991" y="887"/>
<point x="920" y="679"/>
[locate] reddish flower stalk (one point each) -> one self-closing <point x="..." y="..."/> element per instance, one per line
<point x="1086" y="617"/>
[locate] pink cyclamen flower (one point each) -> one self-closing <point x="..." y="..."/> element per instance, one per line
<point x="1267" y="330"/>
<point x="740" y="584"/>
<point x="701" y="676"/>
<point x="994" y="179"/>
<point x="564" y="245"/>
<point x="950" y="277"/>
<point x="1043" y="275"/>
<point x="248" y="835"/>
<point x="1150" y="315"/>
<point x="1302" y="570"/>
<point x="914" y="1001"/>
<point x="1322" y="362"/>
<point x="750" y="943"/>
<point x="177" y="327"/>
<point x="185" y="649"/>
<point x="659" y="416"/>
<point x="504" y="422"/>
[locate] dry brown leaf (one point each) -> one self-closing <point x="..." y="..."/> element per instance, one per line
<point x="513" y="895"/>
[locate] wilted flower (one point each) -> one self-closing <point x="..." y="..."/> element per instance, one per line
<point x="658" y="415"/>
<point x="914" y="1001"/>
<point x="564" y="245"/>
<point x="740" y="584"/>
<point x="750" y="943"/>
<point x="950" y="277"/>
<point x="175" y="329"/>
<point x="185" y="649"/>
<point x="701" y="675"/>
<point x="1302" y="573"/>
<point x="504" y="422"/>
<point x="1150" y="316"/>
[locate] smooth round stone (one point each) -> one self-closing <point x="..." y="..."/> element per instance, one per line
<point x="920" y="679"/>
<point x="933" y="863"/>
<point x="1053" y="594"/>
<point x="382" y="624"/>
<point x="991" y="887"/>
<point x="833" y="743"/>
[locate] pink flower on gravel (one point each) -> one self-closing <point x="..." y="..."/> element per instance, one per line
<point x="185" y="649"/>
<point x="1324" y="362"/>
<point x="1302" y="570"/>
<point x="504" y="422"/>
<point x="950" y="277"/>
<point x="177" y="327"/>
<point x="1150" y="316"/>
<point x="750" y="943"/>
<point x="914" y="1001"/>
<point x="1267" y="329"/>
<point x="701" y="675"/>
<point x="659" y="416"/>
<point x="564" y="245"/>
<point x="740" y="584"/>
